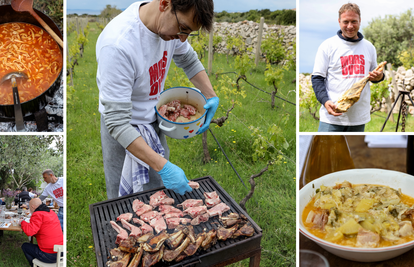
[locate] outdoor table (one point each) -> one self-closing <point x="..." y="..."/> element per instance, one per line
<point x="13" y="228"/>
<point x="383" y="158"/>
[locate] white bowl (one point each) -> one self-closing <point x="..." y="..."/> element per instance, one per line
<point x="181" y="130"/>
<point x="392" y="179"/>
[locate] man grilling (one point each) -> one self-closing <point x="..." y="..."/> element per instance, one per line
<point x="134" y="53"/>
<point x="340" y="62"/>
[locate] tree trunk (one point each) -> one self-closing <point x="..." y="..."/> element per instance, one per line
<point x="253" y="185"/>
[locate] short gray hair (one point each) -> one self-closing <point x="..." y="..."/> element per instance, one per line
<point x="48" y="171"/>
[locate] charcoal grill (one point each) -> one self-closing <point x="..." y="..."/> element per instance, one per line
<point x="223" y="253"/>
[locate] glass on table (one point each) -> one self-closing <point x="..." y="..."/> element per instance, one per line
<point x="309" y="258"/>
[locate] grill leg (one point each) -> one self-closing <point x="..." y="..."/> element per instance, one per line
<point x="255" y="259"/>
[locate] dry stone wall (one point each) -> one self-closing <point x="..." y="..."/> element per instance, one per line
<point x="249" y="31"/>
<point x="404" y="79"/>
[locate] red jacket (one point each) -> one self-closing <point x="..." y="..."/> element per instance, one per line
<point x="45" y="226"/>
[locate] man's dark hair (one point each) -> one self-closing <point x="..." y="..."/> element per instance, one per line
<point x="203" y="11"/>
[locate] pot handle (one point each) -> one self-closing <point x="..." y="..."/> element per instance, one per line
<point x="166" y="129"/>
<point x="198" y="90"/>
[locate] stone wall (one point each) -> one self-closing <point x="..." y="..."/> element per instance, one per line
<point x="249" y="31"/>
<point x="400" y="75"/>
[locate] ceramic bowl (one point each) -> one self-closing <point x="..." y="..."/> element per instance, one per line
<point x="392" y="179"/>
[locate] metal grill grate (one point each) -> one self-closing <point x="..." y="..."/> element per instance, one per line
<point x="104" y="235"/>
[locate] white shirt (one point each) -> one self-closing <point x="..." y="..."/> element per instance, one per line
<point x="342" y="64"/>
<point x="55" y="190"/>
<point x="133" y="63"/>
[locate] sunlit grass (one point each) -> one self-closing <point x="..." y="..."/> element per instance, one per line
<point x="273" y="203"/>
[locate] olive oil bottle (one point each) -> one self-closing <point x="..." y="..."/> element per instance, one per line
<point x="326" y="154"/>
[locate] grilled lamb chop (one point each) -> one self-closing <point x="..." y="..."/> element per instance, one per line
<point x="150" y="259"/>
<point x="129" y="245"/>
<point x="121" y="263"/>
<point x="245" y="230"/>
<point x="180" y="257"/>
<point x="174" y="222"/>
<point x="126" y="216"/>
<point x="144" y="238"/>
<point x="122" y="234"/>
<point x="194" y="185"/>
<point x="167" y="209"/>
<point x="211" y="239"/>
<point x="351" y="96"/>
<point x="219" y="209"/>
<point x="212" y="202"/>
<point x="195" y="211"/>
<point x="137" y="204"/>
<point x="158" y="224"/>
<point x="211" y="195"/>
<point x="224" y="233"/>
<point x="155" y="199"/>
<point x="174" y="215"/>
<point x="170" y="255"/>
<point x="191" y="233"/>
<point x="137" y="258"/>
<point x="116" y="254"/>
<point x="190" y="203"/>
<point x="135" y="231"/>
<point x="145" y="228"/>
<point x="200" y="218"/>
<point x="144" y="209"/>
<point x="174" y="240"/>
<point x="154" y="244"/>
<point x="192" y="247"/>
<point x="147" y="217"/>
<point x="167" y="201"/>
<point x="232" y="219"/>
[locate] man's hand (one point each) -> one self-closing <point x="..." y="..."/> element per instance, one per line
<point x="331" y="107"/>
<point x="174" y="178"/>
<point x="375" y="76"/>
<point x="211" y="107"/>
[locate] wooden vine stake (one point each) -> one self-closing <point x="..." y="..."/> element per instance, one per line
<point x="219" y="122"/>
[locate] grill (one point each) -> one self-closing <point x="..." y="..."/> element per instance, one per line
<point x="228" y="251"/>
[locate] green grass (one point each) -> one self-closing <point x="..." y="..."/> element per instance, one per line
<point x="10" y="246"/>
<point x="273" y="204"/>
<point x="308" y="124"/>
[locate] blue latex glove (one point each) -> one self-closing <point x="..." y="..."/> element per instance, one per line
<point x="211" y="107"/>
<point x="174" y="178"/>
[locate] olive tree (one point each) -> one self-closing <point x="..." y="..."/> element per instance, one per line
<point x="391" y="35"/>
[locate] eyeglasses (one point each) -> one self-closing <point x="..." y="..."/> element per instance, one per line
<point x="181" y="31"/>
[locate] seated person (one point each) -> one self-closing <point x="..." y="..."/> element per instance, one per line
<point x="2" y="201"/>
<point x="45" y="226"/>
<point x="22" y="196"/>
<point x="31" y="194"/>
<point x="49" y="203"/>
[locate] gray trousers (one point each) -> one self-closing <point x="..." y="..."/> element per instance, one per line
<point x="113" y="159"/>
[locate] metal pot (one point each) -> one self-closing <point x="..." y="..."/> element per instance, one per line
<point x="7" y="14"/>
<point x="181" y="130"/>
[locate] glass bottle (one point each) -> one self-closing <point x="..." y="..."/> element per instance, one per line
<point x="326" y="154"/>
<point x="410" y="155"/>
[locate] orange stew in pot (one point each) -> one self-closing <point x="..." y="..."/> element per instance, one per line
<point x="29" y="49"/>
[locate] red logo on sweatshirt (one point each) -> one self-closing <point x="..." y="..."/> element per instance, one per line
<point x="353" y="65"/>
<point x="58" y="192"/>
<point x="157" y="73"/>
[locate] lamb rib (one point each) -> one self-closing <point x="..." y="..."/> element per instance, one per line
<point x="351" y="96"/>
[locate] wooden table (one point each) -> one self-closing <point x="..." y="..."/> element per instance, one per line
<point x="364" y="157"/>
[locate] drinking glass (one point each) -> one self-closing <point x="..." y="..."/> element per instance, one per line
<point x="309" y="258"/>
